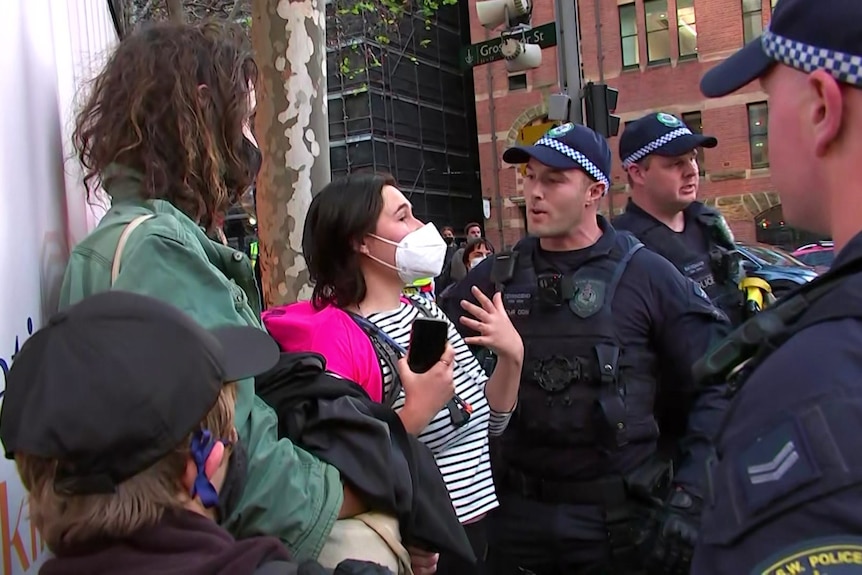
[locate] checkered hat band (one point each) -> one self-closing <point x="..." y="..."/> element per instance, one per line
<point x="844" y="67"/>
<point x="581" y="159"/>
<point x="655" y="145"/>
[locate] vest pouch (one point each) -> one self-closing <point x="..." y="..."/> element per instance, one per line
<point x="556" y="401"/>
<point x="609" y="420"/>
<point x="610" y="417"/>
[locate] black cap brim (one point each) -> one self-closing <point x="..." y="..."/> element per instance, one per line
<point x="542" y="154"/>
<point x="685" y="144"/>
<point x="247" y="351"/>
<point x="748" y="64"/>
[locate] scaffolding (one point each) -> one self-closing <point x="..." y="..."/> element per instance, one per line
<point x="399" y="103"/>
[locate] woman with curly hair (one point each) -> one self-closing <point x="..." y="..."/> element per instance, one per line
<point x="165" y="133"/>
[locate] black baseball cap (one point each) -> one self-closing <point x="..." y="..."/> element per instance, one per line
<point x="660" y="134"/>
<point x="568" y="147"/>
<point x="116" y="382"/>
<point x="804" y="34"/>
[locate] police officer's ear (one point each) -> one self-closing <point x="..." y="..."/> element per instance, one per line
<point x="635" y="172"/>
<point x="594" y="193"/>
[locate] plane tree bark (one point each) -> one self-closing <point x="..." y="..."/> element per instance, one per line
<point x="289" y="39"/>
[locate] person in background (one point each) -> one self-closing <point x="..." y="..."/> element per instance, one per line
<point x="473" y="253"/>
<point x="659" y="154"/>
<point x="362" y="243"/>
<point x="123" y="457"/>
<point x="448" y="234"/>
<point x="163" y="131"/>
<point x="457" y="268"/>
<point x="444" y="279"/>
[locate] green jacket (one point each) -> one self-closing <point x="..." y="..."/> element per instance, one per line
<point x="289" y="493"/>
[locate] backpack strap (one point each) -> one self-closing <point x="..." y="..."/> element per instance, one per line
<point x="419" y="303"/>
<point x="386" y="349"/>
<point x="121" y="244"/>
<point x="384" y="531"/>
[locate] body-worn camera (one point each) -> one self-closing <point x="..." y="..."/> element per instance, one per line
<point x="555" y="289"/>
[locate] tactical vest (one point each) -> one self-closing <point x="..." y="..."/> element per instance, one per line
<point x="582" y="398"/>
<point x="718" y="272"/>
<point x="736" y="358"/>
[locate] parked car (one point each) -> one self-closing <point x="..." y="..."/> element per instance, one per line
<point x="776" y="266"/>
<point x="819" y="254"/>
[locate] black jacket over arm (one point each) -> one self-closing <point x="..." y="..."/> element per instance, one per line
<point x="334" y="419"/>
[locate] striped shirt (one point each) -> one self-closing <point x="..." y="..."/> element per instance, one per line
<point x="462" y="453"/>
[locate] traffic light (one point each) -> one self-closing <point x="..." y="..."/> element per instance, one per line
<point x="601" y="102"/>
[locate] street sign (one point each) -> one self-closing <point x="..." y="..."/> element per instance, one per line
<point x="489" y="51"/>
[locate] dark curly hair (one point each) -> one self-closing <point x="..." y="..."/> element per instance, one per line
<point x="339" y="217"/>
<point x="171" y="103"/>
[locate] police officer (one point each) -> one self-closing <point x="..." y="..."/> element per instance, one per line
<point x="659" y="154"/>
<point x="607" y="327"/>
<point x="786" y="484"/>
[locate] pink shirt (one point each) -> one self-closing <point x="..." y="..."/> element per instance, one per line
<point x="332" y="333"/>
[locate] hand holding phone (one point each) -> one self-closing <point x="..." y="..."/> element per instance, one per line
<point x="428" y="340"/>
<point x="427" y="374"/>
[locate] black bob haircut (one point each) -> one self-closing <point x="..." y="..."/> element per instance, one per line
<point x="340" y="216"/>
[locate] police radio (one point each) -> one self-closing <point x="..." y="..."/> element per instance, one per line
<point x="503" y="268"/>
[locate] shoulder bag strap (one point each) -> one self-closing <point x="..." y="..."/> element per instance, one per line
<point x="374" y="521"/>
<point x="124" y="237"/>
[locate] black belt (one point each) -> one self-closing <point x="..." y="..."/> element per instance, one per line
<point x="609" y="491"/>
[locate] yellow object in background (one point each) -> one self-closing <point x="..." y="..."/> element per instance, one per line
<point x="758" y="294"/>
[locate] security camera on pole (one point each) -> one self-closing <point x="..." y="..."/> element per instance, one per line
<point x="515" y="16"/>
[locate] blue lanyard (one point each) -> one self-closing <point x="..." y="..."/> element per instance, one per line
<point x="380" y="333"/>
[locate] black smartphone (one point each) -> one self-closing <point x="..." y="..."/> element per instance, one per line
<point x="428" y="338"/>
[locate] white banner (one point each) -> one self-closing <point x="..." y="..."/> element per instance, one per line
<point x="47" y="50"/>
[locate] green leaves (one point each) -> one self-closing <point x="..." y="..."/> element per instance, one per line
<point x="380" y="21"/>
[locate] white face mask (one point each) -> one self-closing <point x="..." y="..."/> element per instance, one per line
<point x="476" y="261"/>
<point x="419" y="255"/>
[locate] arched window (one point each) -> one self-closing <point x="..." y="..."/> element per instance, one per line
<point x="771" y="229"/>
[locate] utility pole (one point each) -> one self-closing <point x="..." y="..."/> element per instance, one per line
<point x="567" y="107"/>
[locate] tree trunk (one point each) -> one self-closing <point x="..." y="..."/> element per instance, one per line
<point x="289" y="38"/>
<point x="176" y="10"/>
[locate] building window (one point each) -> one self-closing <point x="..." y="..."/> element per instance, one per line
<point x="752" y="20"/>
<point x="687" y="28"/>
<point x="517" y="82"/>
<point x="758" y="119"/>
<point x="629" y="35"/>
<point x="774" y="2"/>
<point x="694" y="121"/>
<point x="658" y="32"/>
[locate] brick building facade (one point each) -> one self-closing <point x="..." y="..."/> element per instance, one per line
<point x="654" y="52"/>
